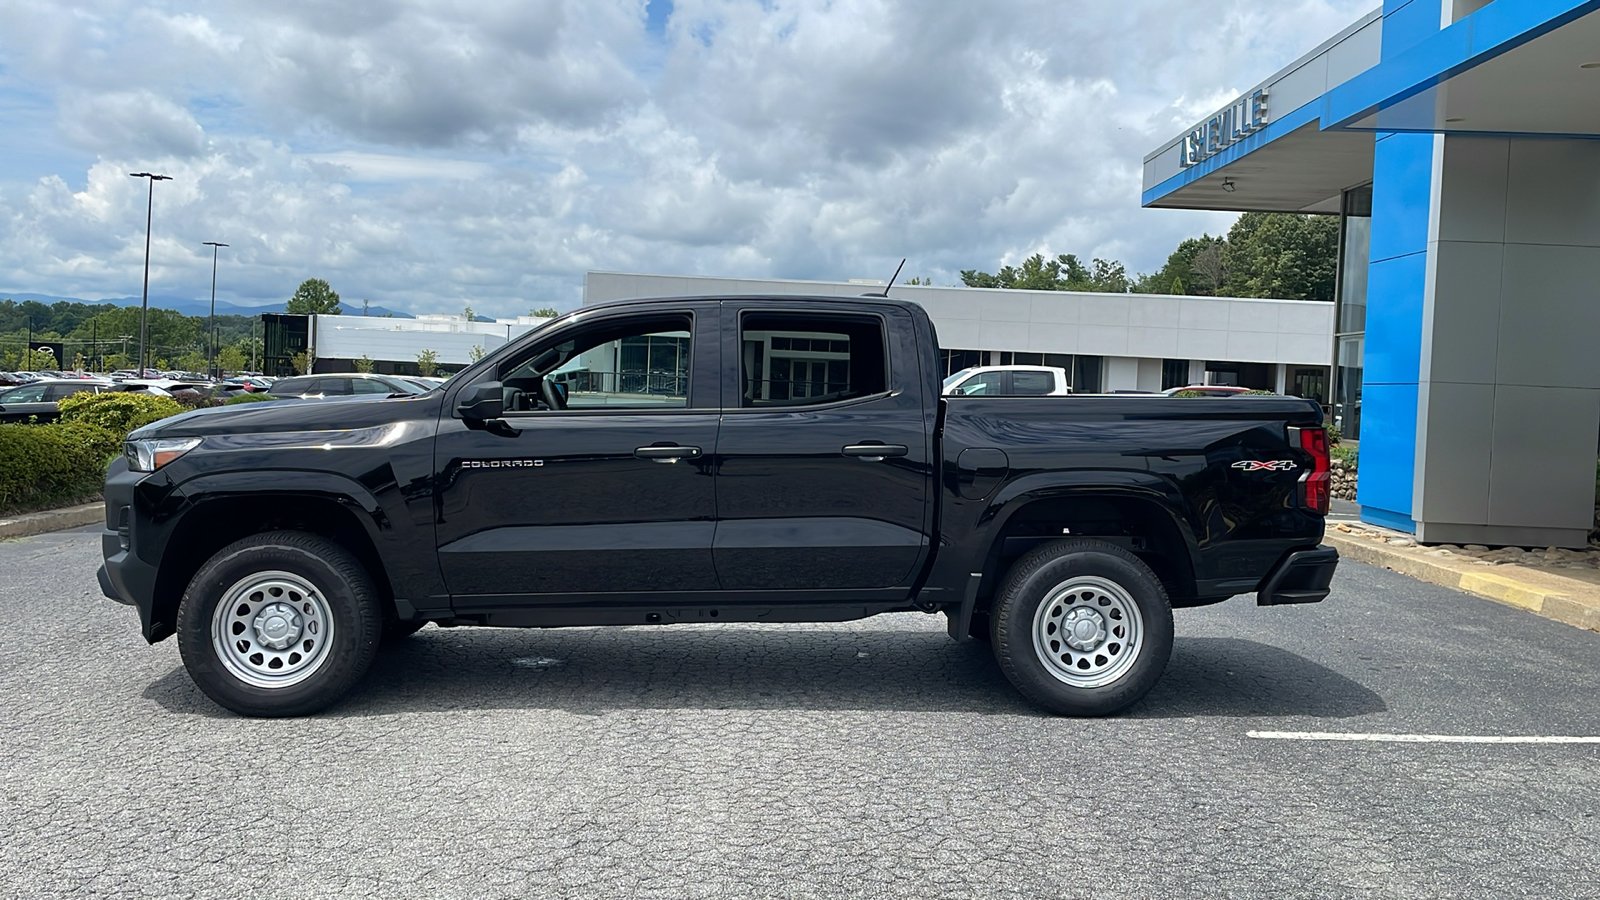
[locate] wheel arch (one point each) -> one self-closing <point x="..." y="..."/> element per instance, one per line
<point x="1137" y="514"/>
<point x="221" y="517"/>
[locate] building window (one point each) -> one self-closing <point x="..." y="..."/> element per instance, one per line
<point x="954" y="361"/>
<point x="1086" y="375"/>
<point x="1174" y="373"/>
<point x="1355" y="243"/>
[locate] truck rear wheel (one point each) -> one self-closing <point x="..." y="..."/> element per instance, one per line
<point x="279" y="624"/>
<point x="1082" y="627"/>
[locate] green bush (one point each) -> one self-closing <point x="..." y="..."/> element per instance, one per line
<point x="46" y="465"/>
<point x="1348" y="454"/>
<point x="117" y="413"/>
<point x="246" y="398"/>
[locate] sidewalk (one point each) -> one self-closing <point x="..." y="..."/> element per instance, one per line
<point x="1563" y="585"/>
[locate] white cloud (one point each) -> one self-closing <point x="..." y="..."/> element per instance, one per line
<point x="420" y="151"/>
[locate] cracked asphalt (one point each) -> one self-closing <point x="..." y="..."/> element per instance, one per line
<point x="869" y="759"/>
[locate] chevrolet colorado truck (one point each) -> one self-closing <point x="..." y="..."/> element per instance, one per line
<point x="703" y="460"/>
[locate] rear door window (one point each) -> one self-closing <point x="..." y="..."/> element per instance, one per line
<point x="370" y="386"/>
<point x="1026" y="382"/>
<point x="804" y="359"/>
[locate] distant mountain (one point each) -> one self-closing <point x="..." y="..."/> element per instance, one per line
<point x="192" y="307"/>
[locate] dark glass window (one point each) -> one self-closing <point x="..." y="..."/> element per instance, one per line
<point x="1174" y="373"/>
<point x="790" y="359"/>
<point x="1086" y="375"/>
<point x="1036" y="383"/>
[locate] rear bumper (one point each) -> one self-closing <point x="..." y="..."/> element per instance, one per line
<point x="1301" y="577"/>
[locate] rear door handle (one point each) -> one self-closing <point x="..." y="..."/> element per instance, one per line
<point x="874" y="452"/>
<point x="667" y="454"/>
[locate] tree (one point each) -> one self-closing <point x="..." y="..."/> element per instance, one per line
<point x="544" y="312"/>
<point x="302" y="362"/>
<point x="921" y="280"/>
<point x="1064" y="273"/>
<point x="232" y="359"/>
<point x="1179" y="275"/>
<point x="364" y="364"/>
<point x="427" y="363"/>
<point x="1210" y="268"/>
<point x="476" y="352"/>
<point x="468" y="315"/>
<point x="1282" y="255"/>
<point x="314" y="297"/>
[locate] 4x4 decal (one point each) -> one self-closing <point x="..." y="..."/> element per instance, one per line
<point x="1254" y="465"/>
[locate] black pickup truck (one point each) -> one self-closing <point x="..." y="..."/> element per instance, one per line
<point x="749" y="459"/>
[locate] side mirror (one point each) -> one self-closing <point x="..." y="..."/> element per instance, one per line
<point x="483" y="401"/>
<point x="958" y="392"/>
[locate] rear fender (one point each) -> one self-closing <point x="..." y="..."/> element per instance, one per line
<point x="973" y="560"/>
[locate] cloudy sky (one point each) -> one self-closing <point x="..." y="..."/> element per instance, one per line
<point x="426" y="154"/>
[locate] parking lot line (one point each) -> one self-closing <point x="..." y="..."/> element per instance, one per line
<point x="1424" y="738"/>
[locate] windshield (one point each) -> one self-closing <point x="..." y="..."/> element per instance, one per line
<point x="955" y="378"/>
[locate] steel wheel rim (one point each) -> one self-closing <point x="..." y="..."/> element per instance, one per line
<point x="1088" y="631"/>
<point x="272" y="629"/>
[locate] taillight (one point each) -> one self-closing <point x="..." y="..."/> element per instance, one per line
<point x="1316" y="485"/>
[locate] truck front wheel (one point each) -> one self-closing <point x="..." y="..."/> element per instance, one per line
<point x="279" y="624"/>
<point x="1082" y="627"/>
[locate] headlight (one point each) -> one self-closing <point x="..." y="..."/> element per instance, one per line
<point x="150" y="455"/>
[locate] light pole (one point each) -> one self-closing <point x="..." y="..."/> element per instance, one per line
<point x="211" y="326"/>
<point x="144" y="305"/>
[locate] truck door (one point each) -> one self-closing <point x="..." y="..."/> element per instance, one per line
<point x="823" y="469"/>
<point x="597" y="480"/>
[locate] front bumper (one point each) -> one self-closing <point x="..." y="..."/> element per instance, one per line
<point x="125" y="577"/>
<point x="1301" y="577"/>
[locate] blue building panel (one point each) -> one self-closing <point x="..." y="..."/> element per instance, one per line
<point x="1408" y="24"/>
<point x="1388" y="454"/>
<point x="1402" y="191"/>
<point x="1394" y="320"/>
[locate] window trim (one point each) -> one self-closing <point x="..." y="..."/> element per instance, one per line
<point x="738" y="342"/>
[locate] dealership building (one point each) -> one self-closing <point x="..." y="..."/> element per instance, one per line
<point x="1456" y="140"/>
<point x="1105" y="342"/>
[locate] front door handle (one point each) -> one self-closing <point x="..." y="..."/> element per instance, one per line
<point x="667" y="454"/>
<point x="874" y="452"/>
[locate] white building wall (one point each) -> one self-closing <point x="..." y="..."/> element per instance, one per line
<point x="1149" y="375"/>
<point x="1151" y="326"/>
<point x="400" y="340"/>
<point x="1121" y="374"/>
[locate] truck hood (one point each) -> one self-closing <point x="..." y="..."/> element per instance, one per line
<point x="280" y="416"/>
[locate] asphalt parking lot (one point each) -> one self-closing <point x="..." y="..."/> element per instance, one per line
<point x="868" y="759"/>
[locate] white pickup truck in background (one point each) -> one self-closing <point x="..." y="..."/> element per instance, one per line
<point x="1008" y="381"/>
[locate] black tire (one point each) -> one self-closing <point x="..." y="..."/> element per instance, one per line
<point x="282" y="581"/>
<point x="1118" y="592"/>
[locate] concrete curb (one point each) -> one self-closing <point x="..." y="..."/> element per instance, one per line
<point x="52" y="520"/>
<point x="1566" y="600"/>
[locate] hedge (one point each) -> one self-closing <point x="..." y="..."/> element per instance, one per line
<point x="118" y="413"/>
<point x="65" y="461"/>
<point x="46" y="465"/>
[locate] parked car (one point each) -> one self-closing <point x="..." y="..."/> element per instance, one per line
<point x="1009" y="381"/>
<point x="342" y="384"/>
<point x="1210" y="390"/>
<point x="162" y="387"/>
<point x="281" y="542"/>
<point x="40" y="398"/>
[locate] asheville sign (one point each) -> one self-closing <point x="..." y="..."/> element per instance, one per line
<point x="1245" y="117"/>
